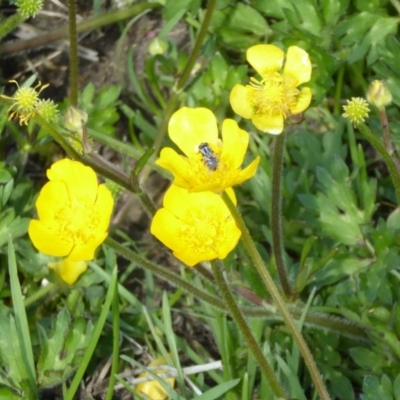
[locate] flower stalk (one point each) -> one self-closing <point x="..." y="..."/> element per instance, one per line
<point x="73" y="53"/>
<point x="164" y="274"/>
<point x="393" y="171"/>
<point x="217" y="266"/>
<point x="279" y="302"/>
<point x="173" y="100"/>
<point x="276" y="213"/>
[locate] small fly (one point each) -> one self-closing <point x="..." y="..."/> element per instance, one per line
<point x="209" y="158"/>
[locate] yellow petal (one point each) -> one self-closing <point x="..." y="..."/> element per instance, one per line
<point x="79" y="179"/>
<point x="297" y="65"/>
<point x="103" y="207"/>
<point x="191" y="257"/>
<point x="177" y="201"/>
<point x="271" y="124"/>
<point x="166" y="227"/>
<point x="247" y="172"/>
<point x="85" y="250"/>
<point x="235" y="142"/>
<point x="303" y="101"/>
<point x="233" y="234"/>
<point x="69" y="271"/>
<point x="265" y="58"/>
<point x="189" y="127"/>
<point x="48" y="240"/>
<point x="173" y="162"/>
<point x="53" y="197"/>
<point x="153" y="389"/>
<point x="239" y="99"/>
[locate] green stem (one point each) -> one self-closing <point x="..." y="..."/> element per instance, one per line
<point x="116" y="336"/>
<point x="171" y="105"/>
<point x="165" y="274"/>
<point x="39" y="294"/>
<point x="386" y="137"/>
<point x="338" y="91"/>
<point x="73" y="54"/>
<point x="143" y="197"/>
<point x="217" y="266"/>
<point x="57" y="136"/>
<point x="86" y="25"/>
<point x="276" y="213"/>
<point x="280" y="304"/>
<point x="394" y="173"/>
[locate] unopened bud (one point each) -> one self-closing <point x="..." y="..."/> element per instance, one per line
<point x="379" y="94"/>
<point x="157" y="46"/>
<point x="74" y="118"/>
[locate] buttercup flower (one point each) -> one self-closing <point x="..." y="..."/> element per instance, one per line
<point x="25" y="101"/>
<point x="196" y="226"/>
<point x="69" y="271"/>
<point x="153" y="389"/>
<point x="267" y="102"/>
<point x="210" y="164"/>
<point x="74" y="212"/>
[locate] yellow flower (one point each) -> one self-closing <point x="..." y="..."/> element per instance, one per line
<point x="153" y="389"/>
<point x="267" y="102"/>
<point x="210" y="164"/>
<point x="25" y="102"/>
<point x="74" y="212"/>
<point x="196" y="226"/>
<point x="69" y="271"/>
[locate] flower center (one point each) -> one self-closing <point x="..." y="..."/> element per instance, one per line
<point x="203" y="230"/>
<point x="275" y="94"/>
<point x="78" y="220"/>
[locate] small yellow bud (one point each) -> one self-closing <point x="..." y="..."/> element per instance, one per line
<point x="379" y="94"/>
<point x="356" y="110"/>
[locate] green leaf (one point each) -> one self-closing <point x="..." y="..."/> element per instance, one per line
<point x="342" y="388"/>
<point x="396" y="387"/>
<point x="54" y="359"/>
<point x="375" y="389"/>
<point x="365" y="358"/>
<point x="21" y="321"/>
<point x="218" y="391"/>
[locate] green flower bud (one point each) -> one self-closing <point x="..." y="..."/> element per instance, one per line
<point x="379" y="94"/>
<point x="74" y="118"/>
<point x="157" y="46"/>
<point x="29" y="8"/>
<point x="47" y="109"/>
<point x="356" y="110"/>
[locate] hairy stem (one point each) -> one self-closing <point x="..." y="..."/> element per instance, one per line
<point x="237" y="316"/>
<point x="164" y="274"/>
<point x="86" y="25"/>
<point x="394" y="173"/>
<point x="73" y="54"/>
<point x="173" y="100"/>
<point x="276" y="213"/>
<point x="278" y="300"/>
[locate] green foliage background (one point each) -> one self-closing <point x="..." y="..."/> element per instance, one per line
<point x="341" y="217"/>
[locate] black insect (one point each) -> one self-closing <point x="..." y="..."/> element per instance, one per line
<point x="209" y="158"/>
